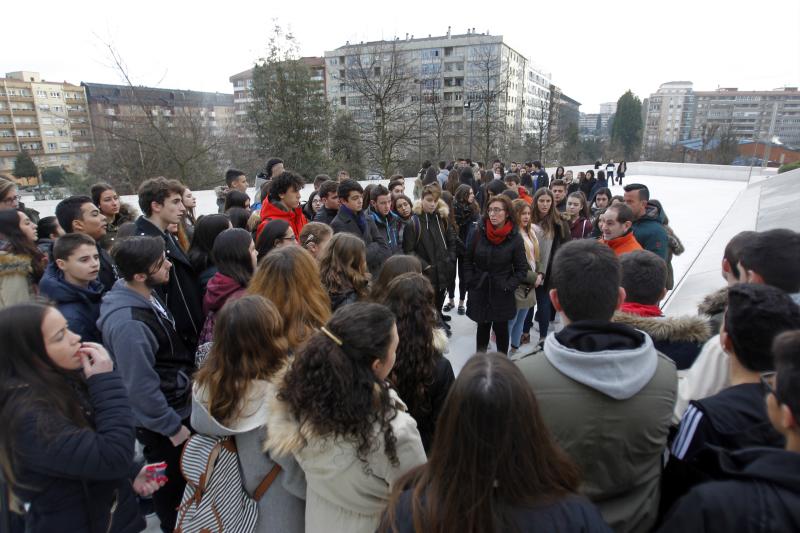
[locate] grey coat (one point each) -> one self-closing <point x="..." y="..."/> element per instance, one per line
<point x="282" y="508"/>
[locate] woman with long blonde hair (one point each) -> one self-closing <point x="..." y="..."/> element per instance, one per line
<point x="343" y="270"/>
<point x="525" y="293"/>
<point x="289" y="278"/>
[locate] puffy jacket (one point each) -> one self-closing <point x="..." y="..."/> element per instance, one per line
<point x="650" y="233"/>
<point x="493" y="273"/>
<point x="16" y="283"/>
<point x="79" y="305"/>
<point x="606" y="395"/>
<point x="433" y="241"/>
<point x="278" y="211"/>
<point x="680" y="338"/>
<point x="79" y="479"/>
<point x="182" y="293"/>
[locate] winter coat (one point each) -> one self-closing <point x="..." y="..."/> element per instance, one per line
<point x="525" y="294"/>
<point x="79" y="479"/>
<point x="221" y="192"/>
<point x="586" y="186"/>
<point x="679" y="338"/>
<point x="378" y="249"/>
<point x="433" y="240"/>
<point x="16" y="283"/>
<point x="151" y="357"/>
<point x="606" y="395"/>
<point x="757" y="491"/>
<point x="182" y="293"/>
<point x="127" y="213"/>
<point x="598" y="184"/>
<point x="108" y="274"/>
<point x="344" y="494"/>
<point x="549" y="247"/>
<point x="389" y="228"/>
<point x="580" y="228"/>
<point x="540" y="180"/>
<point x="79" y="305"/>
<point x="221" y="289"/>
<point x="274" y="210"/>
<point x="713" y="307"/>
<point x="650" y="233"/>
<point x="465" y="217"/>
<point x="326" y="215"/>
<point x="282" y="508"/>
<point x="569" y="514"/>
<point x="46" y="247"/>
<point x="492" y="273"/>
<point x="623" y="245"/>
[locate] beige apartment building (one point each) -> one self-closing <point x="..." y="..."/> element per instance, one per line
<point x="49" y="119"/>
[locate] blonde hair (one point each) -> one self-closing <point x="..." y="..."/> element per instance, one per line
<point x="314" y="232"/>
<point x="343" y="265"/>
<point x="289" y="278"/>
<point x="519" y="206"/>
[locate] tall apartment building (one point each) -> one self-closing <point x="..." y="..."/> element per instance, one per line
<point x="450" y="69"/>
<point x="563" y="112"/>
<point x="243" y="85"/>
<point x="117" y="105"/>
<point x="758" y="115"/>
<point x="49" y="119"/>
<point x="608" y="108"/>
<point x="677" y="113"/>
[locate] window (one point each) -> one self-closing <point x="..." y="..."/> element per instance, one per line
<point x="64" y="145"/>
<point x="342" y="74"/>
<point x="44" y="107"/>
<point x="52" y="146"/>
<point x="41" y="94"/>
<point x="343" y="100"/>
<point x="376" y="71"/>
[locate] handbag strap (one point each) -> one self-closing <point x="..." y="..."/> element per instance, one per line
<point x="263" y="487"/>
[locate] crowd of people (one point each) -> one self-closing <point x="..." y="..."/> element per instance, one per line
<point x="281" y="365"/>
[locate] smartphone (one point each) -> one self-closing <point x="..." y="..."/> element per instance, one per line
<point x="156" y="472"/>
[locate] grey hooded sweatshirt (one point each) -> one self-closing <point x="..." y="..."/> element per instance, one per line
<point x="607" y="396"/>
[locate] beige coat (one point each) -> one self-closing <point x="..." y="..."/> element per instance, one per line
<point x="15" y="279"/>
<point x="342" y="496"/>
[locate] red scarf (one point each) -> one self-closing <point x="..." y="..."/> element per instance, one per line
<point x="498" y="235"/>
<point x="641" y="309"/>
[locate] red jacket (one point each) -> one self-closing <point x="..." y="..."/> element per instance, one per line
<point x="623" y="245"/>
<point x="295" y="217"/>
<point x="523" y="193"/>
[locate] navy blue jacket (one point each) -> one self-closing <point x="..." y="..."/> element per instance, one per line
<point x="79" y="479"/>
<point x="80" y="306"/>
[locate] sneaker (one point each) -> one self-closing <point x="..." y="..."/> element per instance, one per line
<point x="462" y="310"/>
<point x="447" y="318"/>
<point x="526" y="338"/>
<point x="448" y="306"/>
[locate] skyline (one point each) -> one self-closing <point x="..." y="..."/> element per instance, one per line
<point x="590" y="57"/>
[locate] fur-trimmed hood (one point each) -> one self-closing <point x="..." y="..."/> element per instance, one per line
<point x="15" y="264"/>
<point x="714" y="303"/>
<point x="441" y="208"/>
<point x="678" y="329"/>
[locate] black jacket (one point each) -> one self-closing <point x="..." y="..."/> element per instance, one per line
<point x="465" y="217"/>
<point x="378" y="249"/>
<point x="435" y="245"/>
<point x="108" y="274"/>
<point x="757" y="491"/>
<point x="326" y="215"/>
<point x="540" y="180"/>
<point x="182" y="294"/>
<point x="443" y="378"/>
<point x="571" y="514"/>
<point x="74" y="477"/>
<point x="493" y="273"/>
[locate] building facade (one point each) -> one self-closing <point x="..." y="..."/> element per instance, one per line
<point x="563" y="112"/>
<point x="448" y="74"/>
<point x="670" y="115"/>
<point x="48" y="119"/>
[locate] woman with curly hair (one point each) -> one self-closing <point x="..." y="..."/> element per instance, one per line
<point x="514" y="477"/>
<point x="248" y="355"/>
<point x="421" y="375"/>
<point x="289" y="277"/>
<point x="21" y="262"/>
<point x="343" y="270"/>
<point x="348" y="430"/>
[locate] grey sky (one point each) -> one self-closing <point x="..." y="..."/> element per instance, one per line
<point x="594" y="50"/>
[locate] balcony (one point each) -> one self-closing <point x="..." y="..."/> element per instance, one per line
<point x="77" y="112"/>
<point x="24" y="112"/>
<point x="18" y="98"/>
<point x="6" y="126"/>
<point x="27" y="139"/>
<point x="83" y="149"/>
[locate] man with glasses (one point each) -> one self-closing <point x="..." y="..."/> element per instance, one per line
<point x="736" y="417"/>
<point x="756" y="489"/>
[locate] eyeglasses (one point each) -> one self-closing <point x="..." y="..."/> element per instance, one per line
<point x="768" y="383"/>
<point x="11" y="200"/>
<point x="495" y="210"/>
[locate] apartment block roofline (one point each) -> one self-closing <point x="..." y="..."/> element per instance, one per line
<point x="570" y="100"/>
<point x="113" y="94"/>
<point x="734" y="90"/>
<point x="311" y="61"/>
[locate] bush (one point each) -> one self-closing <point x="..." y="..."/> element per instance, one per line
<point x="787" y="168"/>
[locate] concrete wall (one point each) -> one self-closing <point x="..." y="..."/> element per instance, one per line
<point x="689" y="170"/>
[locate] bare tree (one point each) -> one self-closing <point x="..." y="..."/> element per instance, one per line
<point x="386" y="114"/>
<point x="434" y="113"/>
<point x="487" y="86"/>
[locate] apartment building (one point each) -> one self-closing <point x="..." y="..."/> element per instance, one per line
<point x="563" y="112"/>
<point x="451" y="70"/>
<point x="49" y="119"/>
<point x="113" y="106"/>
<point x="670" y="115"/>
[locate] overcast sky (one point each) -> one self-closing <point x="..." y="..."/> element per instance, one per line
<point x="594" y="50"/>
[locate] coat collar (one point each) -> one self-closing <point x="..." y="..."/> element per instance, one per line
<point x="441" y="208"/>
<point x="679" y="329"/>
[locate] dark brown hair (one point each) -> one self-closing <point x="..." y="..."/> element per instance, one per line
<point x="393" y="267"/>
<point x="472" y="484"/>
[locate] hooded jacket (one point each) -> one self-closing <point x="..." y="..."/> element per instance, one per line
<point x="606" y="395"/>
<point x="151" y="357"/>
<point x="433" y="241"/>
<point x="277" y="211"/>
<point x="389" y="227"/>
<point x="623" y="245"/>
<point x="79" y="305"/>
<point x="650" y="233"/>
<point x="182" y="293"/>
<point x="465" y="217"/>
<point x="344" y="493"/>
<point x="713" y="307"/>
<point x="127" y="213"/>
<point x="679" y="338"/>
<point x="493" y="272"/>
<point x="282" y="508"/>
<point x="758" y="491"/>
<point x="16" y="285"/>
<point x="378" y="249"/>
<point x="219" y="291"/>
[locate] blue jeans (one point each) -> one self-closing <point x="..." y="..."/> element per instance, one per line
<point x="543" y="310"/>
<point x="515" y="327"/>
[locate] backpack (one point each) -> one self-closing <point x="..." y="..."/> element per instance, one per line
<point x="215" y="500"/>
